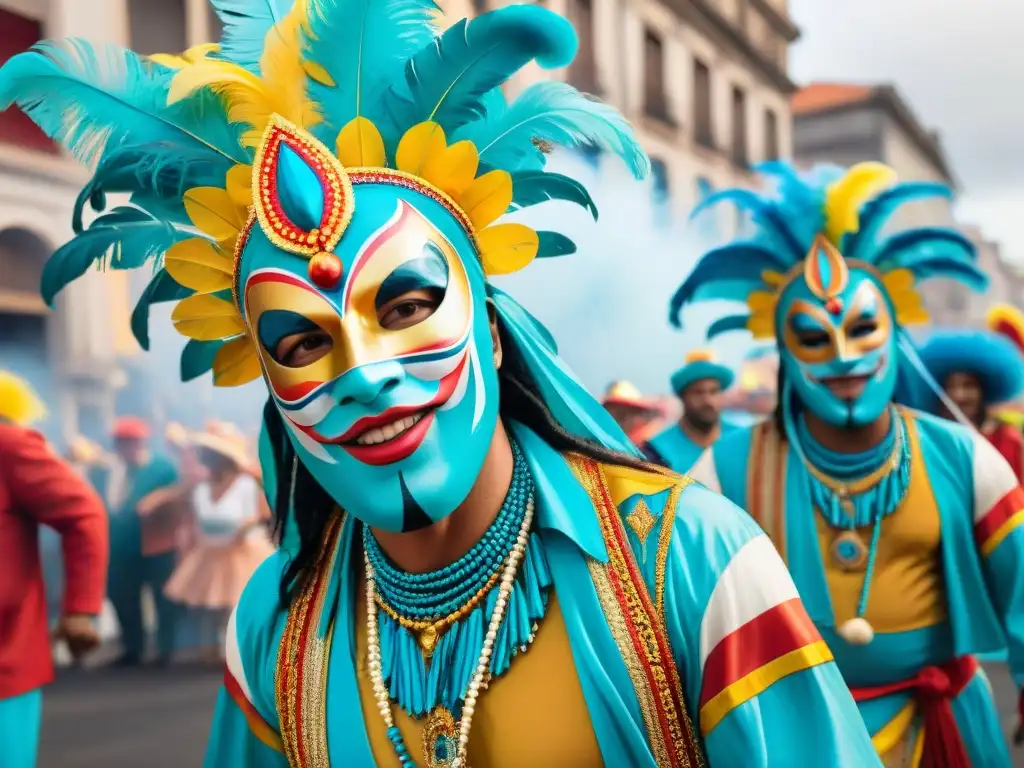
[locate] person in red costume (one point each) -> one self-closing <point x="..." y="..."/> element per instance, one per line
<point x="978" y="370"/>
<point x="38" y="488"/>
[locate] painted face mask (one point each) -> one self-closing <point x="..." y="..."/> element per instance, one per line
<point x="378" y="354"/>
<point x="835" y="330"/>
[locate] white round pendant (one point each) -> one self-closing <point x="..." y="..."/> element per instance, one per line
<point x="857" y="631"/>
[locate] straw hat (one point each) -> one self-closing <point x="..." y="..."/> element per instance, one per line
<point x="232" y="446"/>
<point x="19" y="403"/>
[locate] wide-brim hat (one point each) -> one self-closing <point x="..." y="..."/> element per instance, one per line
<point x="992" y="357"/>
<point x="625" y="394"/>
<point x="19" y="403"/>
<point x="229" y="447"/>
<point x="701" y="364"/>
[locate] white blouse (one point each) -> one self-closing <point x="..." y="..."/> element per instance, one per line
<point x="220" y="520"/>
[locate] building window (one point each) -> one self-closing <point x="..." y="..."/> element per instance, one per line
<point x="771" y="135"/>
<point x="583" y="70"/>
<point x="702" y="126"/>
<point x="17" y="34"/>
<point x="661" y="197"/>
<point x="655" y="101"/>
<point x="739" y="127"/>
<point x="157" y="26"/>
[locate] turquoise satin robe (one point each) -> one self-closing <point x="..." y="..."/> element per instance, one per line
<point x="984" y="593"/>
<point x="804" y="718"/>
<point x="677" y="450"/>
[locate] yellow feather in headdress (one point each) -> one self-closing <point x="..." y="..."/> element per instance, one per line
<point x="250" y="99"/>
<point x="191" y="56"/>
<point x="239" y="185"/>
<point x="19" y="404"/>
<point x="487" y="199"/>
<point x="214" y="213"/>
<point x="236" y="363"/>
<point x="204" y="317"/>
<point x="507" y="248"/>
<point x="418" y="146"/>
<point x="198" y="264"/>
<point x="845" y="196"/>
<point x="453" y="170"/>
<point x="360" y="145"/>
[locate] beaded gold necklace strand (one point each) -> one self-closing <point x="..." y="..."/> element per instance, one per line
<point x="481" y="674"/>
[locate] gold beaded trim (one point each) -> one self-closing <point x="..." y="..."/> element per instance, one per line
<point x="429" y="632"/>
<point x="334" y="181"/>
<point x="301" y="674"/>
<point x="639" y="631"/>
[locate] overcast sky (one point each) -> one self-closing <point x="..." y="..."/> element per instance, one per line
<point x="960" y="65"/>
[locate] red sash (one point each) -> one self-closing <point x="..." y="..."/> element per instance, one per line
<point x="934" y="689"/>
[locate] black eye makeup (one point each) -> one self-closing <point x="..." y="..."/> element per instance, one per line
<point x="426" y="274"/>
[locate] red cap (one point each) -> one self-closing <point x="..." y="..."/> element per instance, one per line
<point x="131" y="428"/>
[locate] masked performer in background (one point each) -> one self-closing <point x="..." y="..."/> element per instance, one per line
<point x="487" y="573"/>
<point x="38" y="488"/>
<point x="699" y="385"/>
<point x="901" y="530"/>
<point x="978" y="370"/>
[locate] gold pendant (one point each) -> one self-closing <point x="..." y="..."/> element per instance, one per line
<point x="427" y="639"/>
<point x="440" y="738"/>
<point x="849" y="552"/>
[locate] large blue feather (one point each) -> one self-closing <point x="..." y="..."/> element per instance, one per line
<point x="877" y="212"/>
<point x="766" y="214"/>
<point x="90" y="97"/>
<point x="447" y="80"/>
<point x="246" y="24"/>
<point x="904" y="248"/>
<point x="727" y="324"/>
<point x="197" y="358"/>
<point x="729" y="272"/>
<point x="161" y="289"/>
<point x="556" y="113"/>
<point x="125" y="238"/>
<point x="554" y="244"/>
<point x="533" y="187"/>
<point x="364" y="46"/>
<point x="149" y="171"/>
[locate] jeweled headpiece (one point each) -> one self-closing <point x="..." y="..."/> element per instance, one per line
<point x="353" y="91"/>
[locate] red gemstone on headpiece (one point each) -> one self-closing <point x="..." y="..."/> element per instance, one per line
<point x="325" y="270"/>
<point x="834" y="305"/>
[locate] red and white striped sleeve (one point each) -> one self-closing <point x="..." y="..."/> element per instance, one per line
<point x="755" y="632"/>
<point x="998" y="497"/>
<point x="237" y="686"/>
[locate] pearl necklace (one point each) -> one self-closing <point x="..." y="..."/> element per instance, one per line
<point x="480" y="676"/>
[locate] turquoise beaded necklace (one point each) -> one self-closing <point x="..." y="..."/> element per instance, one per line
<point x="849" y="511"/>
<point x="419" y="682"/>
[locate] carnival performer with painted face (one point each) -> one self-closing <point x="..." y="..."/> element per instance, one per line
<point x="979" y="369"/>
<point x="487" y="573"/>
<point x="902" y="531"/>
<point x="699" y="385"/>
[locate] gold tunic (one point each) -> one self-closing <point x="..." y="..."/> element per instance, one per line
<point x="533" y="715"/>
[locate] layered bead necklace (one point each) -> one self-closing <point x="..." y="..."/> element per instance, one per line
<point x="854" y="491"/>
<point x="423" y="628"/>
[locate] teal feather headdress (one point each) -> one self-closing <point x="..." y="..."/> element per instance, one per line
<point x="852" y="209"/>
<point x="371" y="79"/>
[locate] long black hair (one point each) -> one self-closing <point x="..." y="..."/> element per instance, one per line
<point x="312" y="506"/>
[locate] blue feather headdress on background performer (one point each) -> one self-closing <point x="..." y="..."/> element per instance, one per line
<point x="824" y="278"/>
<point x="353" y="94"/>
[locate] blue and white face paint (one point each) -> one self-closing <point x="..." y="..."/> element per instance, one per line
<point x="835" y="326"/>
<point x="385" y="380"/>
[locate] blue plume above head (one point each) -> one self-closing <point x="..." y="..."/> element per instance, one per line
<point x="446" y="81"/>
<point x="363" y="45"/>
<point x="246" y="24"/>
<point x="90" y="97"/>
<point x="851" y="207"/>
<point x="554" y="113"/>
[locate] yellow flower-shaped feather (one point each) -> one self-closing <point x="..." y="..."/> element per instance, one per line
<point x="198" y="264"/>
<point x="507" y="248"/>
<point x="214" y="213"/>
<point x="236" y="363"/>
<point x="205" y="317"/>
<point x="360" y="145"/>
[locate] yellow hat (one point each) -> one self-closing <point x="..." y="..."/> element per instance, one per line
<point x="19" y="403"/>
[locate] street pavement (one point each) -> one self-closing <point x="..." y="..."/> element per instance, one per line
<point x="160" y="718"/>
